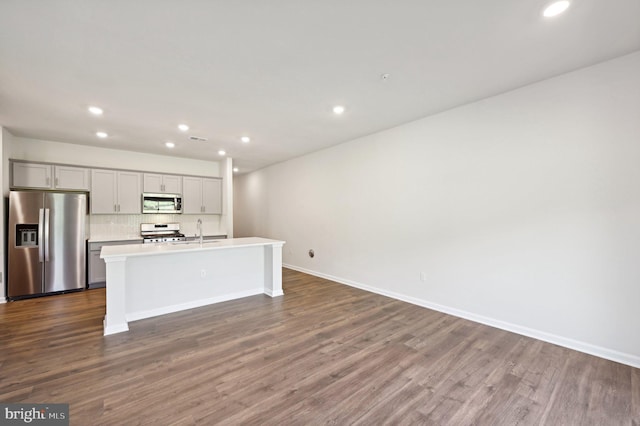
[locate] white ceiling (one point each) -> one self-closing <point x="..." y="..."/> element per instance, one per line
<point x="273" y="70"/>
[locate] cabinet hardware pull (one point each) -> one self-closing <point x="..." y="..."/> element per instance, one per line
<point x="57" y="182"/>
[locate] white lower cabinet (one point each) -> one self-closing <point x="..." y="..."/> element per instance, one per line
<point x="96" y="268"/>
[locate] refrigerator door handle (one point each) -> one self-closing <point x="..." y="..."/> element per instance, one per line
<point x="40" y="237"/>
<point x="46" y="235"/>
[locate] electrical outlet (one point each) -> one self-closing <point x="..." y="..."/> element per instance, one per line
<point x="423" y="276"/>
<point x="203" y="273"/>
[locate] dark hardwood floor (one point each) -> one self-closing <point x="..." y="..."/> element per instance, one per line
<point x="324" y="353"/>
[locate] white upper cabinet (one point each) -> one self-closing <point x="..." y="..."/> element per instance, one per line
<point x="47" y="176"/>
<point x="191" y="195"/>
<point x="32" y="175"/>
<point x="129" y="193"/>
<point x="162" y="184"/>
<point x="152" y="183"/>
<point x="172" y="184"/>
<point x="212" y="196"/>
<point x="202" y="195"/>
<point x="68" y="177"/>
<point x="120" y="191"/>
<point x="116" y="192"/>
<point x="104" y="188"/>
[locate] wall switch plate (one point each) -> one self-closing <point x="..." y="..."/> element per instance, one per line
<point x="203" y="273"/>
<point x="423" y="276"/>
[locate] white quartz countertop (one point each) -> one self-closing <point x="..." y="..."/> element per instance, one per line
<point x="130" y="250"/>
<point x="107" y="239"/>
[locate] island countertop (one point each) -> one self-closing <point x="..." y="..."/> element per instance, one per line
<point x="133" y="250"/>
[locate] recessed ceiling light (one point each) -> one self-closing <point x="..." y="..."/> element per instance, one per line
<point x="245" y="139"/>
<point x="235" y="169"/>
<point x="170" y="144"/>
<point x="95" y="110"/>
<point x="101" y="135"/>
<point x="222" y="152"/>
<point x="183" y="127"/>
<point x="556" y="8"/>
<point x="338" y="109"/>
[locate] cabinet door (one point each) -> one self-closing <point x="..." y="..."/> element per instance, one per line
<point x="67" y="177"/>
<point x="191" y="195"/>
<point x="152" y="183"/>
<point x="129" y="193"/>
<point x="97" y="268"/>
<point x="104" y="191"/>
<point x="172" y="184"/>
<point x="212" y="195"/>
<point x="32" y="175"/>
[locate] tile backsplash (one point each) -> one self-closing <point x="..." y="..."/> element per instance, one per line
<point x="128" y="225"/>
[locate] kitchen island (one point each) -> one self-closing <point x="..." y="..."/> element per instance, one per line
<point x="146" y="280"/>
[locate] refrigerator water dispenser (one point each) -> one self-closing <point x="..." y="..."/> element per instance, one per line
<point x="27" y="235"/>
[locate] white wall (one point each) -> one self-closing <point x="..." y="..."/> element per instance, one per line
<point x="522" y="210"/>
<point x="227" y="195"/>
<point x="3" y="214"/>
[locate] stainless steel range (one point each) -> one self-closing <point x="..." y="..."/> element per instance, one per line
<point x="160" y="232"/>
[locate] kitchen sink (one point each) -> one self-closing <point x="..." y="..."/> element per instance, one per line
<point x="194" y="242"/>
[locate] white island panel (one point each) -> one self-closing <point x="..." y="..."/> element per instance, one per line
<point x="147" y="280"/>
<point x="177" y="281"/>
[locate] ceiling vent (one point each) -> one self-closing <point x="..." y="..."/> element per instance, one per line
<point x="197" y="138"/>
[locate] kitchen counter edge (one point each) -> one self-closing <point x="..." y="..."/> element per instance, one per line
<point x="139" y="238"/>
<point x="134" y="250"/>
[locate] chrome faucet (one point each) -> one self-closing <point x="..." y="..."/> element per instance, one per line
<point x="199" y="226"/>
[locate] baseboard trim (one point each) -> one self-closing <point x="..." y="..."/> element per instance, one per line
<point x="276" y="293"/>
<point x="138" y="315"/>
<point x="114" y="329"/>
<point x="3" y="300"/>
<point x="599" y="351"/>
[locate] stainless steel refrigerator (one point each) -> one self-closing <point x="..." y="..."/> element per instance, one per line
<point x="47" y="240"/>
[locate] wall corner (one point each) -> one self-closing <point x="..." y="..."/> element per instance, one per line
<point x="227" y="191"/>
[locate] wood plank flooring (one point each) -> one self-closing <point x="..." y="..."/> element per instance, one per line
<point x="324" y="353"/>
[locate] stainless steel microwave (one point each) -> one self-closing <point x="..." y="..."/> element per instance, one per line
<point x="161" y="203"/>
